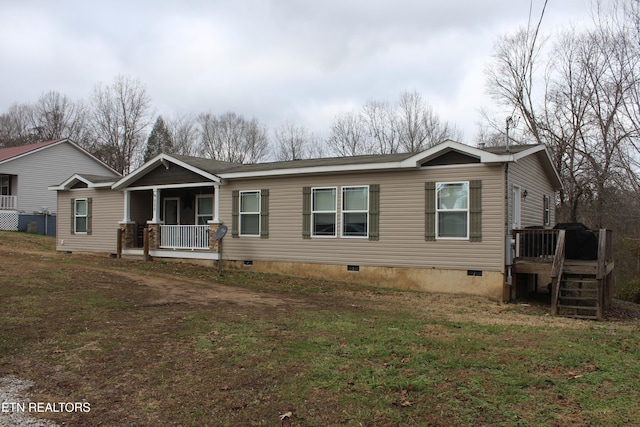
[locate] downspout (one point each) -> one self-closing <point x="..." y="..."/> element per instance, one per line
<point x="508" y="254"/>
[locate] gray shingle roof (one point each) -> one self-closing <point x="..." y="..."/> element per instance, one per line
<point x="215" y="166"/>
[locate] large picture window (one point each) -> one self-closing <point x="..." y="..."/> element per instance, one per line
<point x="204" y="209"/>
<point x="355" y="211"/>
<point x="452" y="209"/>
<point x="250" y="213"/>
<point x="323" y="212"/>
<point x="81" y="212"/>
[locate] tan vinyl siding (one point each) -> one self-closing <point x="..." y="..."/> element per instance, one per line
<point x="402" y="222"/>
<point x="107" y="210"/>
<point x="529" y="175"/>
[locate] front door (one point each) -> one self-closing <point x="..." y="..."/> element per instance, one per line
<point x="172" y="211"/>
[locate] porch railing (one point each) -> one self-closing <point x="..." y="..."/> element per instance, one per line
<point x="535" y="244"/>
<point x="9" y="203"/>
<point x="184" y="236"/>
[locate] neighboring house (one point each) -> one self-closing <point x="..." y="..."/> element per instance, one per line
<point x="439" y="220"/>
<point x="27" y="171"/>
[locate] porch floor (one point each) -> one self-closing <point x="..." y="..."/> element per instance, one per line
<point x="171" y="253"/>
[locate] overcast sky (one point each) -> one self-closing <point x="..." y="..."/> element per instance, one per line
<point x="275" y="60"/>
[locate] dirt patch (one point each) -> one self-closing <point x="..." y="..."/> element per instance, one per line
<point x="169" y="289"/>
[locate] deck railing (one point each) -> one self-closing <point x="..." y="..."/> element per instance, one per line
<point x="184" y="236"/>
<point x="535" y="244"/>
<point x="8" y="203"/>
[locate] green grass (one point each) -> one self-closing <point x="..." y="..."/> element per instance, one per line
<point x="333" y="354"/>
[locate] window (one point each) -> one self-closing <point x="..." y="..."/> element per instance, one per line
<point x="250" y="213"/>
<point x="204" y="209"/>
<point x="355" y="211"/>
<point x="4" y="185"/>
<point x="452" y="209"/>
<point x="546" y="216"/>
<point x="80" y="216"/>
<point x="323" y="212"/>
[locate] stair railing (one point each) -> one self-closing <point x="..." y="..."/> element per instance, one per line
<point x="556" y="272"/>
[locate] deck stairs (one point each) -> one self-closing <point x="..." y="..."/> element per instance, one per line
<point x="578" y="297"/>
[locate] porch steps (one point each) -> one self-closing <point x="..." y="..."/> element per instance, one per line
<point x="578" y="296"/>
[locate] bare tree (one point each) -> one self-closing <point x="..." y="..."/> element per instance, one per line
<point x="378" y="127"/>
<point x="121" y="114"/>
<point x="185" y="134"/>
<point x="15" y="126"/>
<point x="584" y="108"/>
<point x="291" y="142"/>
<point x="382" y="123"/>
<point x="55" y="116"/>
<point x="232" y="138"/>
<point x="349" y="136"/>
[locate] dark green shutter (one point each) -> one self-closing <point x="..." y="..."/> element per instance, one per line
<point x="235" y="213"/>
<point x="73" y="216"/>
<point x="264" y="214"/>
<point x="89" y="215"/>
<point x="430" y="211"/>
<point x="374" y="212"/>
<point x="306" y="212"/>
<point x="475" y="211"/>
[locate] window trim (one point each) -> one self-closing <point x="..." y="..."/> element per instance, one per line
<point x="198" y="215"/>
<point x="241" y="214"/>
<point x="314" y="212"/>
<point x="546" y="210"/>
<point x="343" y="211"/>
<point x="76" y="216"/>
<point x="438" y="210"/>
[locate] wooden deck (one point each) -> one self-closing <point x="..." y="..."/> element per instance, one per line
<point x="579" y="288"/>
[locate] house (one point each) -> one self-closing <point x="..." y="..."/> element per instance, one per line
<point x="27" y="171"/>
<point x="439" y="220"/>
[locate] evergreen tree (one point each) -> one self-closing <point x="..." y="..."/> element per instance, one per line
<point x="159" y="140"/>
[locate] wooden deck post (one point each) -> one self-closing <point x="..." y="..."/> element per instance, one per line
<point x="119" y="243"/>
<point x="145" y="244"/>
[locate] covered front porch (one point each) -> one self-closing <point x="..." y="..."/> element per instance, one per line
<point x="171" y="209"/>
<point x="177" y="220"/>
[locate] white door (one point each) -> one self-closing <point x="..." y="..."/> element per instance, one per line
<point x="172" y="211"/>
<point x="516" y="213"/>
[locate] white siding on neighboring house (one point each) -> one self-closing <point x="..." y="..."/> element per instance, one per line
<point x="107" y="207"/>
<point x="49" y="166"/>
<point x="402" y="222"/>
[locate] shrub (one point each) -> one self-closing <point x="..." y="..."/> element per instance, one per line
<point x="630" y="291"/>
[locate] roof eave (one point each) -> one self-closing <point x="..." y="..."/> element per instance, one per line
<point x="153" y="163"/>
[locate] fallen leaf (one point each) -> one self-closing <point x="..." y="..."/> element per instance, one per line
<point x="285" y="415"/>
<point x="405" y="403"/>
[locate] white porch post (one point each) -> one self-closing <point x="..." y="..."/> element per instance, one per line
<point x="127" y="207"/>
<point x="156" y="206"/>
<point x="216" y="212"/>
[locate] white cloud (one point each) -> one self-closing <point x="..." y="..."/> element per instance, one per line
<point x="273" y="59"/>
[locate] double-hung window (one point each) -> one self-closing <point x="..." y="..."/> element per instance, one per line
<point x="81" y="213"/>
<point x="452" y="209"/>
<point x="250" y="213"/>
<point x="323" y="212"/>
<point x="204" y="209"/>
<point x="355" y="211"/>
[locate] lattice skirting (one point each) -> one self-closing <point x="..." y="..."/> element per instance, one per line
<point x="9" y="220"/>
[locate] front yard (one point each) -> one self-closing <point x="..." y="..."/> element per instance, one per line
<point x="175" y="344"/>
